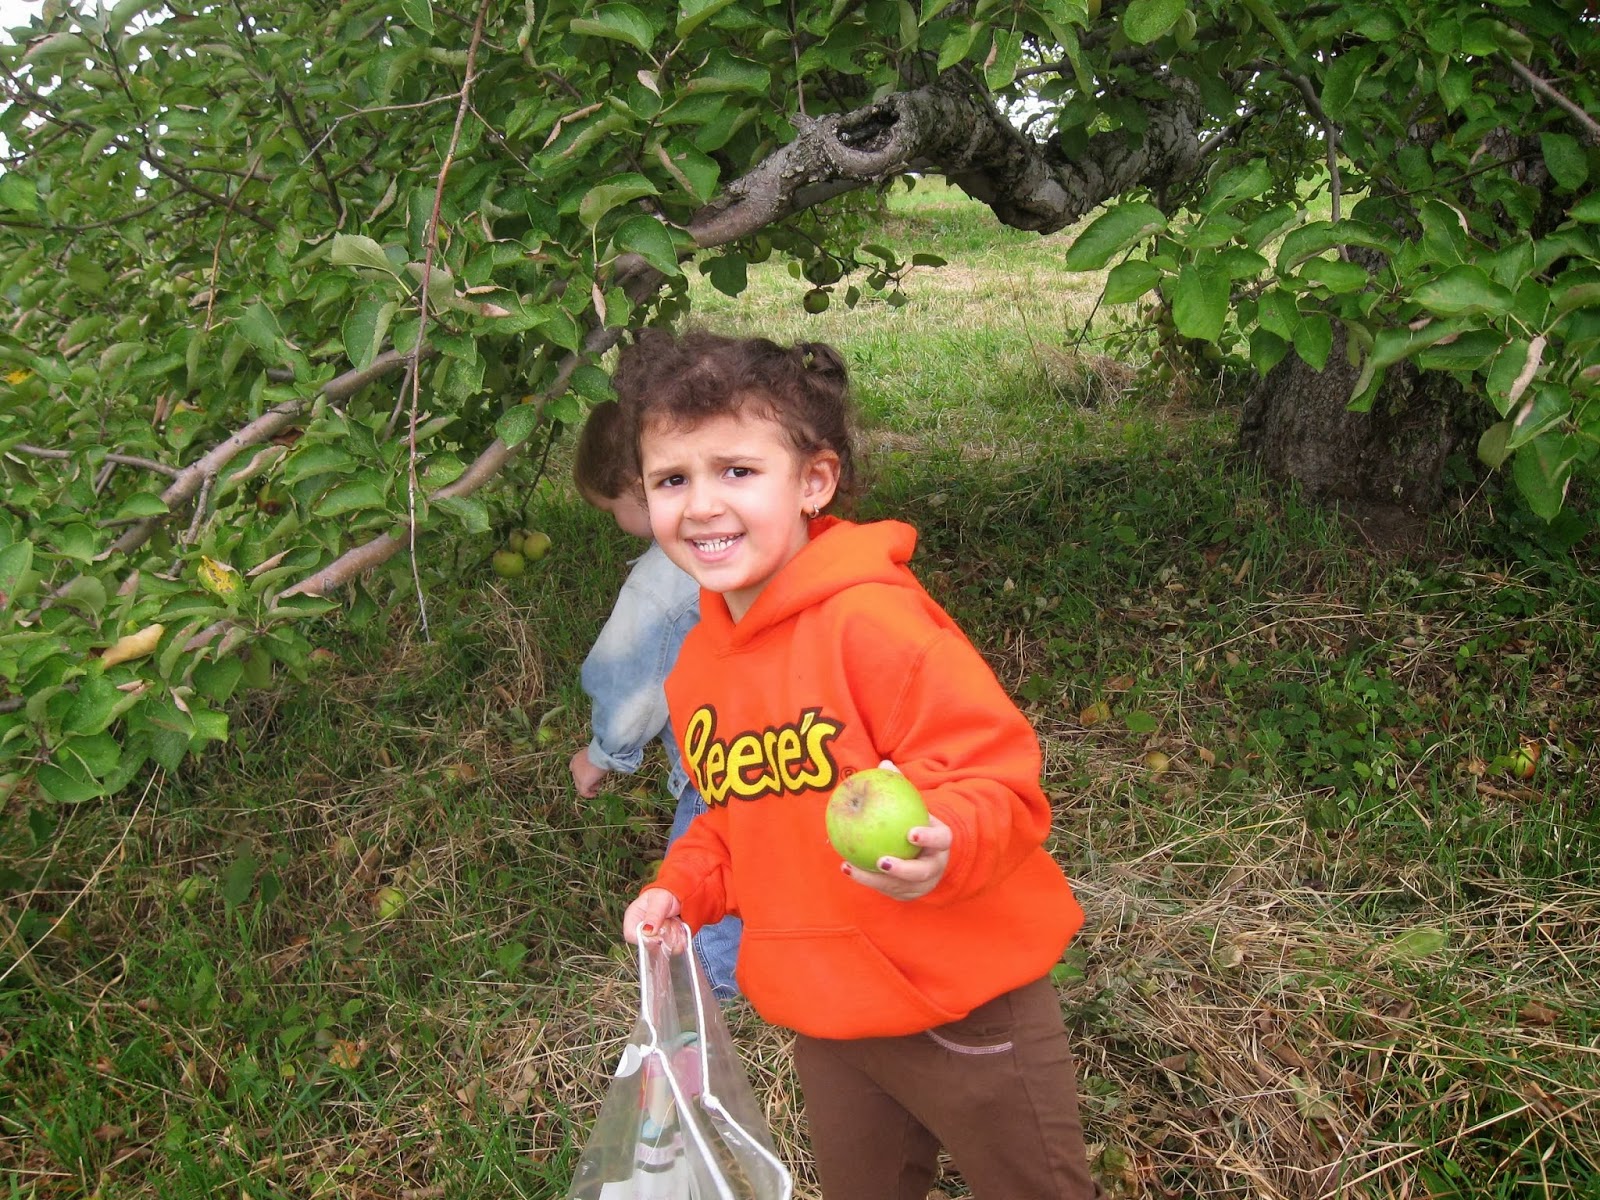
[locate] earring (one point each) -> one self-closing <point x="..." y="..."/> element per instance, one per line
<point x="815" y="512"/>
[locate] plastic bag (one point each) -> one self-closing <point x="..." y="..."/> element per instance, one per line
<point x="680" y="1121"/>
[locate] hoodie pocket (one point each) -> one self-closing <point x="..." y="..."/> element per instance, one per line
<point x="832" y="983"/>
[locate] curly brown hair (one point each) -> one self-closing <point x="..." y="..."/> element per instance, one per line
<point x="686" y="379"/>
<point x="605" y="463"/>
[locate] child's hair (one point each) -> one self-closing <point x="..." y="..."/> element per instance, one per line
<point x="685" y="380"/>
<point x="605" y="463"/>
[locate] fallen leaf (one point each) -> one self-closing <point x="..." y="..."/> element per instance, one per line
<point x="346" y="1055"/>
<point x="1096" y="713"/>
<point x="1208" y="757"/>
<point x="1122" y="683"/>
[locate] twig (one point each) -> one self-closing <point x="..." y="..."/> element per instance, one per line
<point x="1331" y="135"/>
<point x="1590" y="127"/>
<point x="124" y="460"/>
<point x="200" y="509"/>
<point x="415" y="375"/>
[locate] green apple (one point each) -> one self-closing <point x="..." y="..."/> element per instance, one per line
<point x="869" y="815"/>
<point x="535" y="544"/>
<point x="387" y="903"/>
<point x="508" y="564"/>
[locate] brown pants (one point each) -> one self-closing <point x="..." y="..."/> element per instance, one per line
<point x="997" y="1089"/>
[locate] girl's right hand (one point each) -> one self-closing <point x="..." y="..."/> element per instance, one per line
<point x="654" y="914"/>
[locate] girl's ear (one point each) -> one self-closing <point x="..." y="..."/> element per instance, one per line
<point x="819" y="480"/>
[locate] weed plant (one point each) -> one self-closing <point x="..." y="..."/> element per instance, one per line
<point x="1337" y="943"/>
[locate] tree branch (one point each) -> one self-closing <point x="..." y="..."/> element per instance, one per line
<point x="1028" y="184"/>
<point x="1586" y="123"/>
<point x="126" y="460"/>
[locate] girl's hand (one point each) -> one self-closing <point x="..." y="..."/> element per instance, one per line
<point x="910" y="878"/>
<point x="655" y="914"/>
<point x="586" y="776"/>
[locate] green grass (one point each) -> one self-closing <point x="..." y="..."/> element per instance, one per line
<point x="1333" y="943"/>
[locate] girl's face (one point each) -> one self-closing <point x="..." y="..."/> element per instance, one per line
<point x="729" y="499"/>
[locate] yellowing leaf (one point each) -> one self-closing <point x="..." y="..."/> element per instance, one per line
<point x="345" y="1055"/>
<point x="219" y="578"/>
<point x="20" y="375"/>
<point x="134" y="645"/>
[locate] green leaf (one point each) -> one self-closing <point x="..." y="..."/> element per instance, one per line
<point x="1241" y="183"/>
<point x="93" y="707"/>
<point x="1466" y="351"/>
<point x="1141" y="722"/>
<point x="1143" y="21"/>
<point x="1540" y="413"/>
<point x="357" y="250"/>
<point x="699" y="172"/>
<point x="69" y="784"/>
<point x="1492" y="448"/>
<point x="649" y="239"/>
<point x="354" y="496"/>
<point x="1587" y="210"/>
<point x="419" y="13"/>
<point x="1566" y="159"/>
<point x="1543" y="471"/>
<point x="239" y="880"/>
<point x="694" y="13"/>
<point x="1417" y="943"/>
<point x="516" y="424"/>
<point x="1267" y="350"/>
<point x="1265" y="13"/>
<point x="16" y="560"/>
<point x="1112" y="232"/>
<point x="958" y="44"/>
<point x="469" y="510"/>
<point x="1316" y="237"/>
<point x="1504" y="373"/>
<point x="365" y="328"/>
<point x="1001" y="66"/>
<point x="1130" y="280"/>
<point x="316" y="458"/>
<point x="1200" y="302"/>
<point x="728" y="273"/>
<point x="259" y="327"/>
<point x="19" y="193"/>
<point x="725" y="73"/>
<point x="1313" y="340"/>
<point x="1465" y="290"/>
<point x="618" y="190"/>
<point x="620" y="22"/>
<point x="1341" y="80"/>
<point x="1335" y="274"/>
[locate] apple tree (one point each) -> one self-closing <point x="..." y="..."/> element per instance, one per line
<point x="289" y="292"/>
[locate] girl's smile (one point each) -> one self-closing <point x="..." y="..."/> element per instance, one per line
<point x="729" y="499"/>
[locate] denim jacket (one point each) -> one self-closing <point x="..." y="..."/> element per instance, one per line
<point x="627" y="667"/>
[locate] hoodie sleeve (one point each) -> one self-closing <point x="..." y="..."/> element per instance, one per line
<point x="697" y="871"/>
<point x="954" y="732"/>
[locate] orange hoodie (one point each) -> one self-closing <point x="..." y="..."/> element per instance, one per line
<point x="843" y="661"/>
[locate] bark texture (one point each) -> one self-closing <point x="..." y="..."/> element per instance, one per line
<point x="1297" y="424"/>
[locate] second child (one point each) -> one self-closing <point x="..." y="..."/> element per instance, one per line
<point x="626" y="668"/>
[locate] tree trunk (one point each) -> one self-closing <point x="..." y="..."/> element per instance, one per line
<point x="1297" y="424"/>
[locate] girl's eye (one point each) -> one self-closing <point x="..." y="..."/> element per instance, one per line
<point x="667" y="481"/>
<point x="741" y="472"/>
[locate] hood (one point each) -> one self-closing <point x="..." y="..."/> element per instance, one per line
<point x="841" y="554"/>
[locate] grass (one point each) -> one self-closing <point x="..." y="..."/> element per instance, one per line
<point x="1335" y="946"/>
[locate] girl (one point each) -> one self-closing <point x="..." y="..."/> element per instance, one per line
<point x="918" y="992"/>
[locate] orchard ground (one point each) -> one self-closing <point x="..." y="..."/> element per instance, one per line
<point x="1336" y="943"/>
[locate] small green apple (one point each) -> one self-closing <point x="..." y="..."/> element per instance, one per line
<point x="535" y="544"/>
<point x="387" y="903"/>
<point x="869" y="815"/>
<point x="508" y="564"/>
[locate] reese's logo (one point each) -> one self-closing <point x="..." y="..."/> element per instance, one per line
<point x="788" y="758"/>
